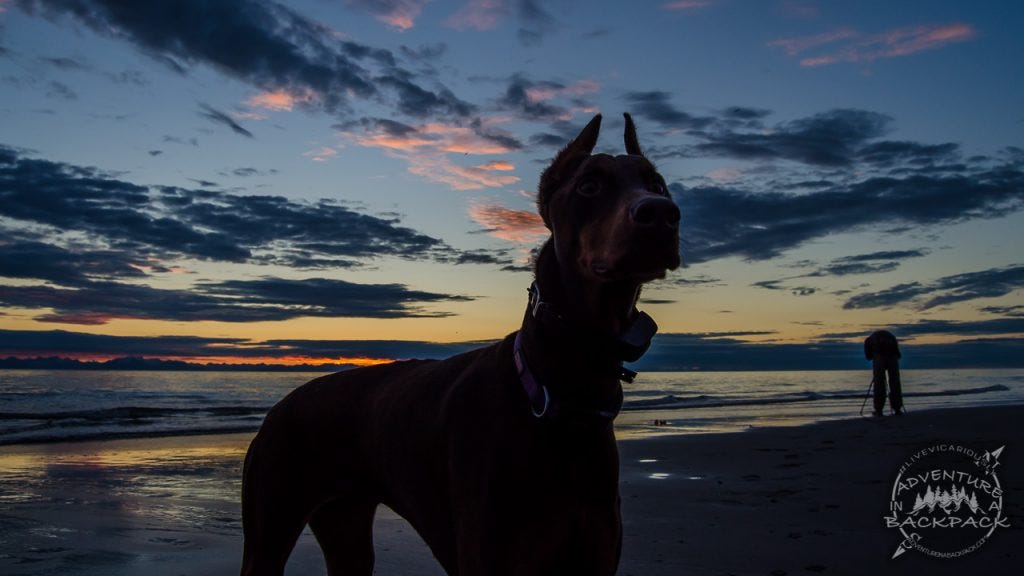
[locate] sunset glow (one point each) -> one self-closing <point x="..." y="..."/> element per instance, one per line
<point x="354" y="182"/>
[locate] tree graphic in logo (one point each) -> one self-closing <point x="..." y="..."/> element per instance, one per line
<point x="949" y="502"/>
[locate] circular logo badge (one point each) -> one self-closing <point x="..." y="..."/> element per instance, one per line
<point x="947" y="501"/>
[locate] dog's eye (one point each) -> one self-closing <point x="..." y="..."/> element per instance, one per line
<point x="588" y="188"/>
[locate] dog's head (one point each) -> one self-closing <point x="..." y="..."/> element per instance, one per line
<point x="610" y="216"/>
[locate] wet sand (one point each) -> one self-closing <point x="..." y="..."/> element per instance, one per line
<point x="773" y="501"/>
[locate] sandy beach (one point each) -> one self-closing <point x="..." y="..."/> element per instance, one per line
<point x="772" y="501"/>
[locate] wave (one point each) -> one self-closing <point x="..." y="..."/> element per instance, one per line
<point x="21" y="427"/>
<point x="674" y="402"/>
<point x="133" y="413"/>
<point x="126" y="422"/>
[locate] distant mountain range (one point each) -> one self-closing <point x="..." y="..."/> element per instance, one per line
<point x="137" y="363"/>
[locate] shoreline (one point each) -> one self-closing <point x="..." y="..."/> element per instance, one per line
<point x="631" y="424"/>
<point x="776" y="500"/>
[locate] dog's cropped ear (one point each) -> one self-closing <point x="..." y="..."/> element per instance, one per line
<point x="565" y="164"/>
<point x="632" y="144"/>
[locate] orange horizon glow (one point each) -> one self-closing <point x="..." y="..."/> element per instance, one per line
<point x="360" y="361"/>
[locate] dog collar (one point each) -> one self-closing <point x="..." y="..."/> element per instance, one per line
<point x="540" y="398"/>
<point x="628" y="347"/>
<point x="542" y="405"/>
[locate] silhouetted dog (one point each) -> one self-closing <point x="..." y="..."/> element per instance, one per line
<point x="503" y="459"/>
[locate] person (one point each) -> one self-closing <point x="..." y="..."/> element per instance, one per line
<point x="884" y="352"/>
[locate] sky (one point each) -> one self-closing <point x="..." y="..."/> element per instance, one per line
<point x="353" y="180"/>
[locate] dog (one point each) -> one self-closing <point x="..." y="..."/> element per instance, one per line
<point x="503" y="458"/>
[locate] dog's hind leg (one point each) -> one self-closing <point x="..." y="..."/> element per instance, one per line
<point x="344" y="529"/>
<point x="270" y="535"/>
<point x="275" y="507"/>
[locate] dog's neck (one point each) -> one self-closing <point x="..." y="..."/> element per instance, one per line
<point x="569" y="345"/>
<point x="602" y="308"/>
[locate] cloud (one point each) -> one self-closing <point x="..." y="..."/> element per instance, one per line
<point x="777" y="285"/>
<point x="431" y="137"/>
<point x="72" y="202"/>
<point x="65" y="64"/>
<point x="552" y="90"/>
<point x="419" y="102"/>
<point x="45" y="261"/>
<point x="400" y="14"/>
<point x="1015" y="311"/>
<point x="267" y="299"/>
<point x="427" y="147"/>
<point x="832" y="138"/>
<point x="425" y="53"/>
<point x="280" y="100"/>
<point x="519" y="226"/>
<point x="872" y="263"/>
<point x="686" y="5"/>
<point x="478" y="15"/>
<point x="835" y="138"/>
<point x="223" y="119"/>
<point x="64" y="343"/>
<point x="321" y="154"/>
<point x="531" y="99"/>
<point x="458" y="177"/>
<point x="795" y="46"/>
<point x="756" y="225"/>
<point x="265" y="44"/>
<point x="991" y="283"/>
<point x="535" y="22"/>
<point x="656" y="106"/>
<point x="891" y="153"/>
<point x="851" y="46"/>
<point x="673" y="352"/>
<point x="707" y="351"/>
<point x="27" y="343"/>
<point x="934" y="327"/>
<point x="61" y="91"/>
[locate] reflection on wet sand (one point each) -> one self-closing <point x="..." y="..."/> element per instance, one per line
<point x="148" y="504"/>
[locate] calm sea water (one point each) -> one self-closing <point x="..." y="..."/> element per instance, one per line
<point x="50" y="406"/>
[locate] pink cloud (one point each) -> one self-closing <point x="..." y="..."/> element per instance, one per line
<point x="322" y="154"/>
<point x="426" y="150"/>
<point x="441" y="169"/>
<point x="856" y="47"/>
<point x="478" y="14"/>
<point x="434" y="136"/>
<point x="400" y="14"/>
<point x="580" y="88"/>
<point x="912" y="40"/>
<point x="519" y="226"/>
<point x="280" y="100"/>
<point x="794" y="46"/>
<point x="679" y="5"/>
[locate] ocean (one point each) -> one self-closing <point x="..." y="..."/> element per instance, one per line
<point x="65" y="405"/>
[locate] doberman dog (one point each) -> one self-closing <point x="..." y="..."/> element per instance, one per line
<point x="503" y="459"/>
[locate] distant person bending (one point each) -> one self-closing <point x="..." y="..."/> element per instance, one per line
<point x="884" y="352"/>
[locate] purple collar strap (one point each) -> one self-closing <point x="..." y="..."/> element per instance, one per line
<point x="540" y="399"/>
<point x="541" y="403"/>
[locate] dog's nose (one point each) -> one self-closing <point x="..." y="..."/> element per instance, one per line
<point x="654" y="211"/>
